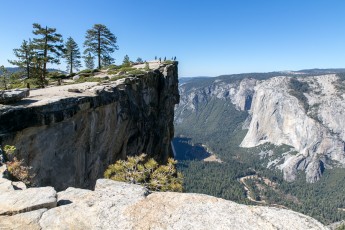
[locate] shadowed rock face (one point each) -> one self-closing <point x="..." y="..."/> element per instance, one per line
<point x="70" y="138"/>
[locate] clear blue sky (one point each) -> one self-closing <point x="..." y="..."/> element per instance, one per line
<point x="208" y="37"/>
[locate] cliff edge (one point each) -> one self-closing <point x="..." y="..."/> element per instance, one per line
<point x="70" y="134"/>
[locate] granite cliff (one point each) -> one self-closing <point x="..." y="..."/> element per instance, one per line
<point x="299" y="110"/>
<point x="314" y="127"/>
<point x="70" y="134"/>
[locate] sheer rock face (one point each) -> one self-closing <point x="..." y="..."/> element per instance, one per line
<point x="70" y="137"/>
<point x="277" y="116"/>
<point x="239" y="92"/>
<point x="118" y="205"/>
<point x="317" y="134"/>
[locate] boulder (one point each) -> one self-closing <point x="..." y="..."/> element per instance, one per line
<point x="28" y="220"/>
<point x="18" y="201"/>
<point x="13" y="96"/>
<point x="76" y="77"/>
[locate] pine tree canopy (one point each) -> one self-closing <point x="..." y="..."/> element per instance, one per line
<point x="72" y="55"/>
<point x="100" y="42"/>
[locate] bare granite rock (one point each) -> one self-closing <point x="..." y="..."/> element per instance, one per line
<point x="12" y="96"/>
<point x="117" y="205"/>
<point x="19" y="201"/>
<point x="22" y="221"/>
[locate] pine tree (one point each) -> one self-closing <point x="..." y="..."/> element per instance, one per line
<point x="49" y="47"/>
<point x="89" y="61"/>
<point x="100" y="42"/>
<point x="139" y="60"/>
<point x="25" y="56"/>
<point x="126" y="61"/>
<point x="72" y="55"/>
<point x="107" y="60"/>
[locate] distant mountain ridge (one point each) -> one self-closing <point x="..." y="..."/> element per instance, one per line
<point x="17" y="69"/>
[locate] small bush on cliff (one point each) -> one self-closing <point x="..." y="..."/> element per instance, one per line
<point x="16" y="168"/>
<point x="147" y="173"/>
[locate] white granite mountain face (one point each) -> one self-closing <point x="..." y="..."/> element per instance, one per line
<point x="118" y="205"/>
<point x="317" y="135"/>
<point x="240" y="94"/>
<point x="278" y="117"/>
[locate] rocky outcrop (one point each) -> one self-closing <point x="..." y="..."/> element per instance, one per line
<point x="118" y="205"/>
<point x="13" y="96"/>
<point x="70" y="137"/>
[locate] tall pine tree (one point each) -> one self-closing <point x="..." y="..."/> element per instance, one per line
<point x="72" y="55"/>
<point x="89" y="61"/>
<point x="107" y="60"/>
<point x="100" y="42"/>
<point x="48" y="46"/>
<point x="25" y="55"/>
<point x="126" y="62"/>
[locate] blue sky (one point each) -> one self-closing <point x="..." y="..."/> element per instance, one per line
<point x="209" y="38"/>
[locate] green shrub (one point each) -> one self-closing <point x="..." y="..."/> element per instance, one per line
<point x="136" y="72"/>
<point x="113" y="67"/>
<point x="16" y="168"/>
<point x="341" y="227"/>
<point x="85" y="74"/>
<point x="112" y="72"/>
<point x="83" y="79"/>
<point x="127" y="69"/>
<point x="9" y="149"/>
<point x="117" y="78"/>
<point x="148" y="173"/>
<point x="56" y="75"/>
<point x="85" y="71"/>
<point x="168" y="62"/>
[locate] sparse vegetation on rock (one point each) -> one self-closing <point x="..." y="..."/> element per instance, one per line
<point x="15" y="167"/>
<point x="149" y="173"/>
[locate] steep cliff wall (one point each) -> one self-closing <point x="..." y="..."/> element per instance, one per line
<point x="69" y="138"/>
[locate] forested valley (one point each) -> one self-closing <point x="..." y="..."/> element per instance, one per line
<point x="323" y="200"/>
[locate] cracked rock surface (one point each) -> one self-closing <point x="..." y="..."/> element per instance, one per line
<point x="118" y="205"/>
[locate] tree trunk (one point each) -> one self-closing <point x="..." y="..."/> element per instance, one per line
<point x="99" y="49"/>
